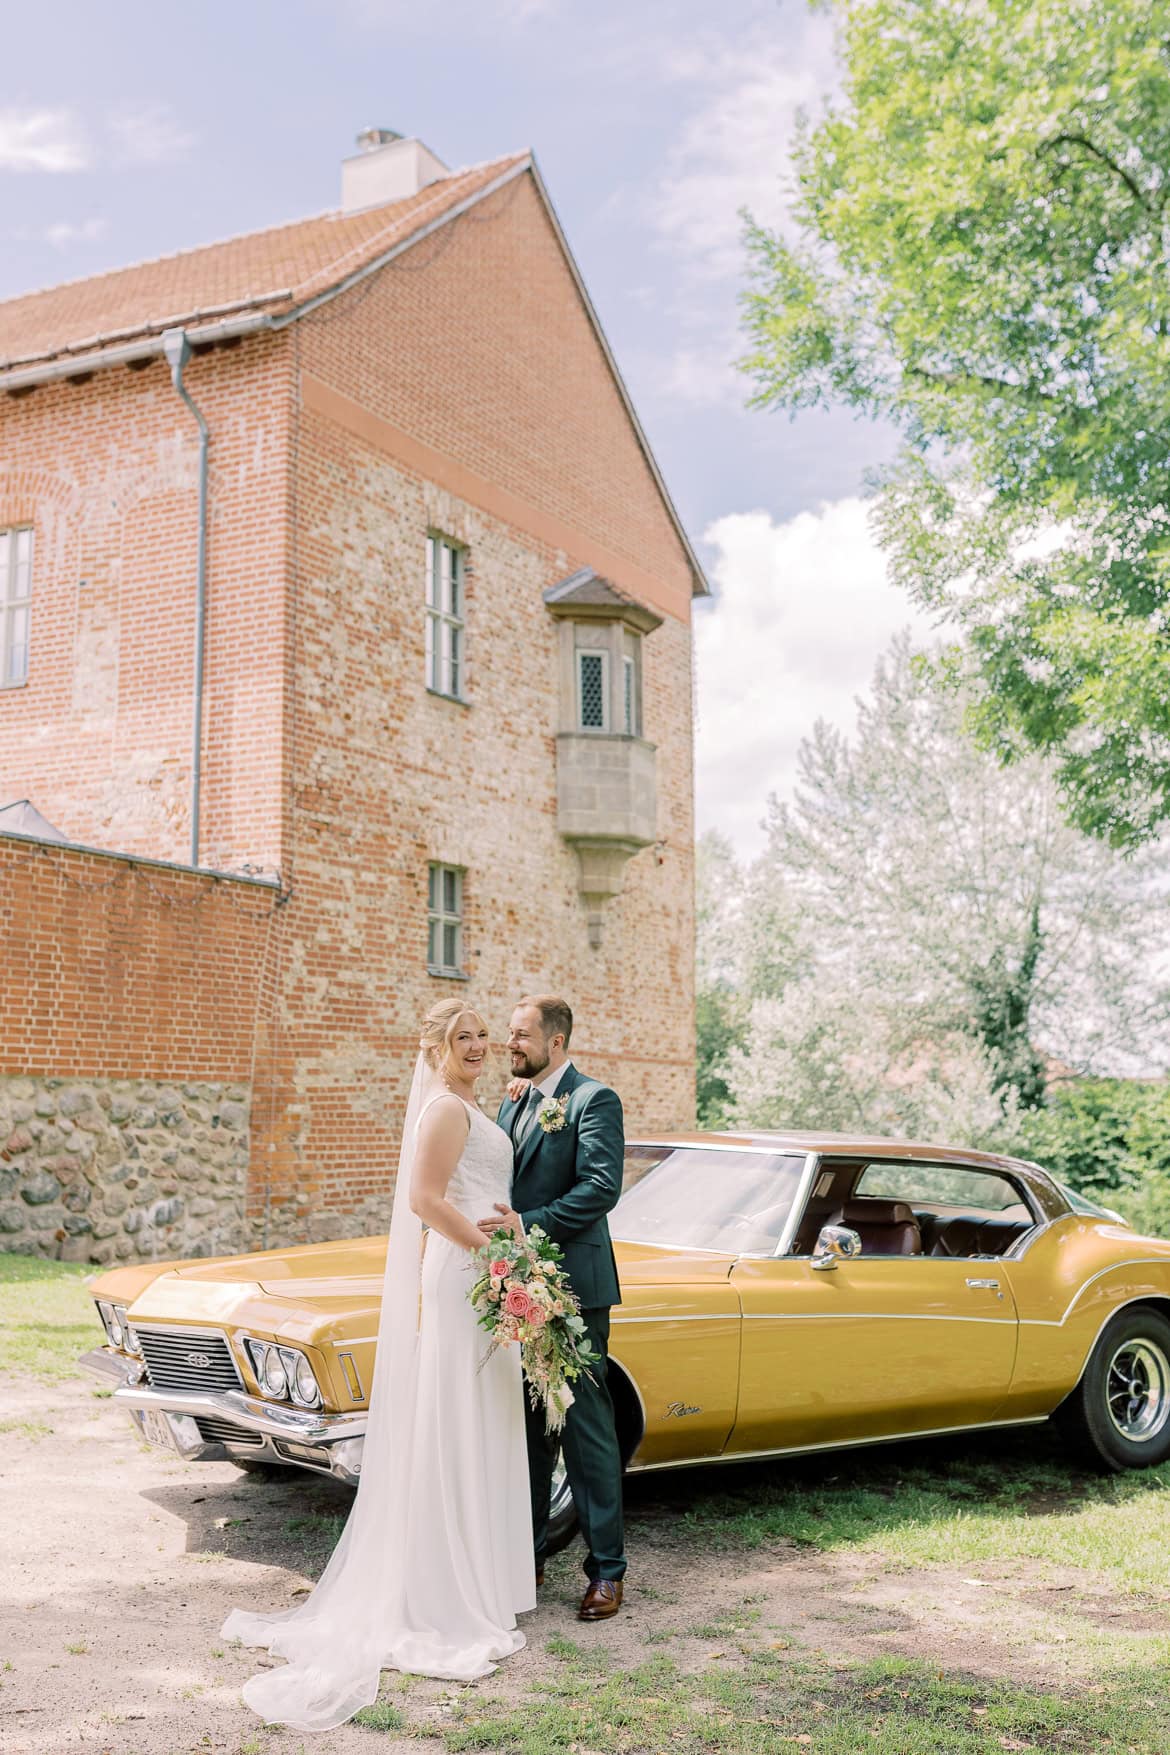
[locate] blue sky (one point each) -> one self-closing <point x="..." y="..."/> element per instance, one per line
<point x="131" y="133"/>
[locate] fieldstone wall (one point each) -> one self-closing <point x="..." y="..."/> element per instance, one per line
<point x="106" y="1170"/>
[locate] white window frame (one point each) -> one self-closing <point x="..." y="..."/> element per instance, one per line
<point x="442" y="919"/>
<point x="15" y="603"/>
<point x="601" y="653"/>
<point x="631" y="718"/>
<point x="445" y="626"/>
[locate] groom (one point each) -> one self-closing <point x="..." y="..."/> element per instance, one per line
<point x="568" y="1175"/>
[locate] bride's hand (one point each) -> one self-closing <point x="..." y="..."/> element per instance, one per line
<point x="517" y="1088"/>
<point x="510" y="1220"/>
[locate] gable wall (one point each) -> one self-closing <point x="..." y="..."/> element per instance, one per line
<point x="430" y="399"/>
<point x="106" y="472"/>
<point x="475" y="344"/>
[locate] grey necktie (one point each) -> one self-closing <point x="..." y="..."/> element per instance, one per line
<point x="527" y="1119"/>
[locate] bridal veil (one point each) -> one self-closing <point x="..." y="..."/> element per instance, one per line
<point x="335" y="1640"/>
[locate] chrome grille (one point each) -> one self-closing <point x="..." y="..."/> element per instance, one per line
<point x="188" y="1358"/>
<point x="224" y="1432"/>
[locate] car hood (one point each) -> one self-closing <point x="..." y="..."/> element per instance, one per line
<point x="304" y="1293"/>
<point x="336" y="1287"/>
<point x="291" y="1271"/>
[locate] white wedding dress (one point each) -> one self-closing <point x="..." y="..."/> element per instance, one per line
<point x="435" y="1561"/>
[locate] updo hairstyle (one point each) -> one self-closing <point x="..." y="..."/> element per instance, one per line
<point x="438" y="1031"/>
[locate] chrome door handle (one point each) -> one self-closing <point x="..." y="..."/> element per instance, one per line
<point x="991" y="1285"/>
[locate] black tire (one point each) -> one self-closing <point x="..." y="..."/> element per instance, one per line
<point x="562" y="1516"/>
<point x="1119" y="1413"/>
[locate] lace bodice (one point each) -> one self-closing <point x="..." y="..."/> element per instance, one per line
<point x="483" y="1174"/>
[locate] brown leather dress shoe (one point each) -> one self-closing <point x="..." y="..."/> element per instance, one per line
<point x="539" y="1575"/>
<point x="601" y="1600"/>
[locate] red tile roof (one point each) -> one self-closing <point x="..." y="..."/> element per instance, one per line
<point x="274" y="271"/>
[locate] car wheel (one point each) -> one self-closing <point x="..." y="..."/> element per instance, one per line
<point x="1120" y="1410"/>
<point x="562" y="1513"/>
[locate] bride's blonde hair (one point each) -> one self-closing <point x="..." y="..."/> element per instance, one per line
<point x="438" y="1030"/>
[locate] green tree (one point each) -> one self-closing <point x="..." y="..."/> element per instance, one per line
<point x="979" y="255"/>
<point x="720" y="1009"/>
<point x="1111" y="1139"/>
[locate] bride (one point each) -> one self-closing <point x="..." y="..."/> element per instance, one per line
<point x="436" y="1559"/>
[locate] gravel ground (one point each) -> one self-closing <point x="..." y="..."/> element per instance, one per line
<point x="118" y="1564"/>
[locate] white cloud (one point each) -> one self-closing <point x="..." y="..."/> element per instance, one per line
<point x="485" y="15"/>
<point x="736" y="100"/>
<point x="704" y="376"/>
<point x="732" y="151"/>
<point x="802" y="610"/>
<point x="63" y="232"/>
<point x="148" y="134"/>
<point x="42" y="140"/>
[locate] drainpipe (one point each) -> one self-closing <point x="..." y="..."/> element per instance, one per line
<point x="178" y="351"/>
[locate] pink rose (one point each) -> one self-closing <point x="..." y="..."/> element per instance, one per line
<point x="499" y="1270"/>
<point x="517" y="1303"/>
<point x="536" y="1317"/>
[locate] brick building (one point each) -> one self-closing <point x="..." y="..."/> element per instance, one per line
<point x="443" y="708"/>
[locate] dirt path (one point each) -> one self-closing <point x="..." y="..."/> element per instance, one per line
<point x="119" y="1563"/>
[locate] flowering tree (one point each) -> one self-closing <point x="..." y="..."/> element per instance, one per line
<point x="924" y="936"/>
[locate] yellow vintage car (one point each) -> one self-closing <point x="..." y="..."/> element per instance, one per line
<point x="782" y="1293"/>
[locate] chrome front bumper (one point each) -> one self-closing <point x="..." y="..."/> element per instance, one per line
<point x="305" y="1438"/>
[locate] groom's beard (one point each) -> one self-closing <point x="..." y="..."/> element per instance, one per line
<point x="524" y="1067"/>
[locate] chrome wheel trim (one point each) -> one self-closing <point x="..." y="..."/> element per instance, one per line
<point x="561" y="1494"/>
<point x="1137" y="1390"/>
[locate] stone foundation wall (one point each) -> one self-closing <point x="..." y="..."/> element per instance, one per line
<point x="111" y="1170"/>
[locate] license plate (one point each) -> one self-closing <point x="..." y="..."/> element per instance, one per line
<point x="155" y="1428"/>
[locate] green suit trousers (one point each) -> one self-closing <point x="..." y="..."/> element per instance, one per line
<point x="592" y="1460"/>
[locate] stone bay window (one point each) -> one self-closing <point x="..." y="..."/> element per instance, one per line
<point x="607" y="805"/>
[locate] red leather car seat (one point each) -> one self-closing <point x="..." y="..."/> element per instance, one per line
<point x="886" y="1227"/>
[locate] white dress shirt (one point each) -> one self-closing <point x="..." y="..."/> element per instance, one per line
<point x="548" y="1084"/>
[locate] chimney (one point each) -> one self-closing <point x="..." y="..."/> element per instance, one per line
<point x="386" y="168"/>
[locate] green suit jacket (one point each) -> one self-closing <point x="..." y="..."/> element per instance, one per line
<point x="566" y="1182"/>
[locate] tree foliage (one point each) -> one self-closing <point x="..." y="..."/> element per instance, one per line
<point x="925" y="935"/>
<point x="979" y="254"/>
<point x="1109" y="1138"/>
<point x="720" y="1009"/>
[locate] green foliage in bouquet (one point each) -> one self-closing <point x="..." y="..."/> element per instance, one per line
<point x="523" y="1297"/>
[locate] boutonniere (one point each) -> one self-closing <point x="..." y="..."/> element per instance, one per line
<point x="551" y="1115"/>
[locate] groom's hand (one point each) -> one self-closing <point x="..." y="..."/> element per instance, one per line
<point x="507" y="1220"/>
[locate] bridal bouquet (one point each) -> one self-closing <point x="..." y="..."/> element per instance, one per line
<point x="522" y="1296"/>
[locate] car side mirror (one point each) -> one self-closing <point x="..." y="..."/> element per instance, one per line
<point x="835" y="1243"/>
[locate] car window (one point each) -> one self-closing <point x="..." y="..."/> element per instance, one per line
<point x="1089" y="1209"/>
<point x="698" y="1197"/>
<point x="941" y="1185"/>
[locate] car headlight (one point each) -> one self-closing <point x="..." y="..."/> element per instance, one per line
<point x="274" y="1377"/>
<point x="305" y="1383"/>
<point x="129" y="1338"/>
<point x="284" y="1373"/>
<point x="111" y="1323"/>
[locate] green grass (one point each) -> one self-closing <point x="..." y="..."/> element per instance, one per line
<point x="316" y="1535"/>
<point x="380" y="1717"/>
<point x="893" y="1708"/>
<point x="30" y="1429"/>
<point x="1016" y="1502"/>
<point x="47" y="1318"/>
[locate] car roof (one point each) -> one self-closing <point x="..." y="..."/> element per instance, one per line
<point x="842" y="1145"/>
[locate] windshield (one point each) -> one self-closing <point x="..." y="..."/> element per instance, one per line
<point x="699" y="1197"/>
